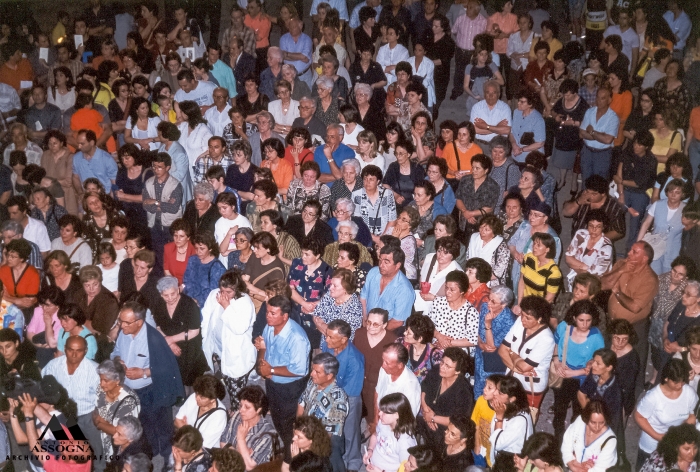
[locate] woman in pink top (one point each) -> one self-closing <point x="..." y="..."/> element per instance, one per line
<point x="50" y="299"/>
<point x="501" y="25"/>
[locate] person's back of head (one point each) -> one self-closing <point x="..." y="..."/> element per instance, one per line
<point x="307" y="461"/>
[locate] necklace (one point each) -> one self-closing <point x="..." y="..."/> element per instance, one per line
<point x="183" y="252"/>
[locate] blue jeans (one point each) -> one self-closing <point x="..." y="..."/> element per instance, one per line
<point x="638" y="201"/>
<point x="594" y="162"/>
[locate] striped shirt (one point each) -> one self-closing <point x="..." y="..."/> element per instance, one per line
<point x="203" y="163"/>
<point x="540" y="280"/>
<point x="258" y="438"/>
<point x="465" y="29"/>
<point x="81" y="385"/>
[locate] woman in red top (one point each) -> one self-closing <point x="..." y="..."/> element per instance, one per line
<point x="21" y="280"/>
<point x="298" y="149"/>
<point x="479" y="273"/>
<point x="176" y="254"/>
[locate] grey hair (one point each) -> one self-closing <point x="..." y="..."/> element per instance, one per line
<point x="290" y="67"/>
<point x="308" y="99"/>
<point x="205" y="189"/>
<point x="139" y="462"/>
<point x="328" y="361"/>
<point x="276" y="52"/>
<point x="166" y="283"/>
<point x="349" y="205"/>
<point x="492" y="84"/>
<point x="247" y="232"/>
<point x="132" y="427"/>
<point x="325" y="82"/>
<point x="351" y="224"/>
<point x="337" y="126"/>
<point x="12" y="225"/>
<point x="268" y="115"/>
<point x="113" y="371"/>
<point x="352" y="162"/>
<point x="695" y="284"/>
<point x="363" y="87"/>
<point x="504" y="294"/>
<point x="332" y="59"/>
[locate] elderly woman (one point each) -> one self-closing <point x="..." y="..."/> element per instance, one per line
<point x="418" y="341"/>
<point x="476" y="195"/>
<point x="511" y="214"/>
<point x="435" y="269"/>
<point x="402" y="175"/>
<point x="404" y="230"/>
<point x="370" y="112"/>
<point x="264" y="198"/>
<point x="250" y="430"/>
<point x="454" y="317"/>
<point x="665" y="215"/>
<point x="327" y="106"/>
<point x="590" y="250"/>
<point x="273" y="72"/>
<point x="59" y="273"/>
<point x="284" y="109"/>
<point x="495" y="321"/>
<point x="444" y="225"/>
<point x="262" y="268"/>
<point x="348" y="183"/>
<point x="203" y="409"/>
<point x="200" y="214"/>
<point x="347" y="233"/>
<point x="590" y="440"/>
<point x="310" y="223"/>
<point x="299" y="148"/>
<point x="307" y="188"/>
<point x="20" y="280"/>
<point x="488" y="244"/>
<point x="20" y="142"/>
<point x="194" y="133"/>
<point x="97" y="302"/>
<point x="436" y="173"/>
<point x="238" y="258"/>
<point x="131" y="447"/>
<point x="178" y="318"/>
<point x="683" y="318"/>
<point x="341" y="302"/>
<point x="428" y="208"/>
<point x="367" y="150"/>
<point x="652" y="410"/>
<point x="204" y="269"/>
<point x="238" y="128"/>
<point x="72" y="319"/>
<point x="115" y="401"/>
<point x="299" y="88"/>
<point x="445" y="392"/>
<point x="339" y="89"/>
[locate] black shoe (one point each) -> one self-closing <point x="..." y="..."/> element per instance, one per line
<point x="455" y="95"/>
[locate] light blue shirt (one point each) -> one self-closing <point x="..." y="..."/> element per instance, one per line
<point x="339" y="155"/>
<point x="397" y="298"/>
<point x="133" y="350"/>
<point x="680" y="26"/>
<point x="302" y="45"/>
<point x="101" y="166"/>
<point x="81" y="386"/>
<point x="608" y="124"/>
<point x="339" y="5"/>
<point x="355" y="18"/>
<point x="290" y="348"/>
<point x="533" y="123"/>
<point x="224" y="74"/>
<point x="351" y="372"/>
<point x="577" y="354"/>
<point x="91" y="342"/>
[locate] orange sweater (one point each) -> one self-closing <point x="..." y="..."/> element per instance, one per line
<point x="622" y="105"/>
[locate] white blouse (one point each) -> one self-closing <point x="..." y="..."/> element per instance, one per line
<point x="150" y="132"/>
<point x="427" y="71"/>
<point x="195" y="143"/>
<point x="602" y="451"/>
<point x="62" y="101"/>
<point x="286" y="119"/>
<point x="536" y="349"/>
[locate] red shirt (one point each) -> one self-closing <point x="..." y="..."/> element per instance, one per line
<point x="479" y="296"/>
<point x="27" y="285"/>
<point x="172" y="265"/>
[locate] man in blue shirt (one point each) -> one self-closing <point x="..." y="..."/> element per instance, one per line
<point x="297" y="48"/>
<point x="387" y="287"/>
<point x="92" y="161"/>
<point x="283" y="360"/>
<point x="331" y="155"/>
<point x="598" y="131"/>
<point x="350" y="377"/>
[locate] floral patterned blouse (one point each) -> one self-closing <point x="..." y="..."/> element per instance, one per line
<point x="430" y="357"/>
<point x="656" y="463"/>
<point x="678" y="99"/>
<point x="350" y="311"/>
<point x="297" y="196"/>
<point x="598" y="258"/>
<point x="664" y="303"/>
<point x="310" y="287"/>
<point x="126" y="404"/>
<point x="462" y="323"/>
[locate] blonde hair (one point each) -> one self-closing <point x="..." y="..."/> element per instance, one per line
<point x="368" y="136"/>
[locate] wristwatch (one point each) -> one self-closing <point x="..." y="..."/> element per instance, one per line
<point x="272" y="370"/>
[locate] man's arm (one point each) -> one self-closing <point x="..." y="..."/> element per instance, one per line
<point x="610" y="279"/>
<point x="394" y="324"/>
<point x="571" y="207"/>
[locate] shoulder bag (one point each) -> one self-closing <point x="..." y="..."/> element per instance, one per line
<point x="555" y="380"/>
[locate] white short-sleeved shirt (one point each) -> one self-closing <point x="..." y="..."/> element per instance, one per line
<point x="203" y="94"/>
<point x="350" y="139"/>
<point x="151" y="132"/>
<point x="221" y="228"/>
<point x="110" y="277"/>
<point x="36" y="233"/>
<point x="390" y="452"/>
<point x="536" y="350"/>
<point x="407" y="383"/>
<point x="211" y="426"/>
<point x="217" y="120"/>
<point x="661" y="412"/>
<point x="492" y="116"/>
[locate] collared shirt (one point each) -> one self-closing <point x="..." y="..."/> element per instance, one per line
<point x="36" y="232"/>
<point x="608" y="124"/>
<point x="340" y="5"/>
<point x="390" y="57"/>
<point x="203" y="163"/>
<point x="258" y="439"/>
<point x="465" y="28"/>
<point x="355" y="17"/>
<point x="351" y="372"/>
<point x="289" y="348"/>
<point x="616" y="215"/>
<point x="81" y="385"/>
<point x="680" y="26"/>
<point x="378" y="214"/>
<point x="492" y="116"/>
<point x="217" y="120"/>
<point x="303" y="45"/>
<point x="224" y="74"/>
<point x="329" y="405"/>
<point x="246" y="34"/>
<point x="341" y="154"/>
<point x="630" y="39"/>
<point x="397" y="298"/>
<point x="101" y="166"/>
<point x="133" y="351"/>
<point x="531" y="123"/>
<point x="517" y="45"/>
<point x="45" y="119"/>
<point x="407" y="383"/>
<point x="261" y="27"/>
<point x="9" y="99"/>
<point x="267" y="82"/>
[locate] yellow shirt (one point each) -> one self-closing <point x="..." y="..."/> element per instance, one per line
<point x="59" y="31"/>
<point x="662" y="146"/>
<point x="103" y="95"/>
<point x="554" y="46"/>
<point x="482" y="416"/>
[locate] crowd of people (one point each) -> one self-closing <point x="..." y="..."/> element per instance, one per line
<point x="279" y="249"/>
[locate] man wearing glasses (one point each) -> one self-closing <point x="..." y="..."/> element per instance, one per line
<point x="308" y="120"/>
<point x="158" y="385"/>
<point x="331" y="155"/>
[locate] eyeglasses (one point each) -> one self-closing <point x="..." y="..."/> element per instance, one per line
<point x="341" y="212"/>
<point x="373" y="325"/>
<point x="125" y="323"/>
<point x="308" y="213"/>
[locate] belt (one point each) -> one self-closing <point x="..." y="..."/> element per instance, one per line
<point x="597" y="150"/>
<point x="482" y="141"/>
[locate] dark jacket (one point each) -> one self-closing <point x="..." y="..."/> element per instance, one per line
<point x="321" y="231"/>
<point x="241" y="69"/>
<point x="25" y="364"/>
<point x="167" y="382"/>
<point x="205" y="223"/>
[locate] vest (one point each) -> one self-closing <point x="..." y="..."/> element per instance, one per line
<point x="166" y="219"/>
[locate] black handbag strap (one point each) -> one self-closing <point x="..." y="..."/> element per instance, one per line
<point x="430" y="269"/>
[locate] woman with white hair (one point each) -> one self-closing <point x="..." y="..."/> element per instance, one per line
<point x="370" y="112"/>
<point x="272" y="73"/>
<point x="178" y="318"/>
<point x="367" y="151"/>
<point x="200" y="213"/>
<point x="347" y="232"/>
<point x="129" y="444"/>
<point x="327" y="107"/>
<point x="115" y="401"/>
<point x="348" y="183"/>
<point x="299" y="87"/>
<point x="329" y="66"/>
<point x="345" y="211"/>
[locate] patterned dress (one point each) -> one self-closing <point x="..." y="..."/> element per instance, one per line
<point x="126" y="404"/>
<point x="311" y="288"/>
<point x="462" y="323"/>
<point x="664" y="303"/>
<point x="351" y="311"/>
<point x="499" y="328"/>
<point x="430" y="357"/>
<point x="598" y="258"/>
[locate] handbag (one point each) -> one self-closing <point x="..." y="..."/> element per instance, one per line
<point x="534" y="411"/>
<point x="555" y="380"/>
<point x="658" y="243"/>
